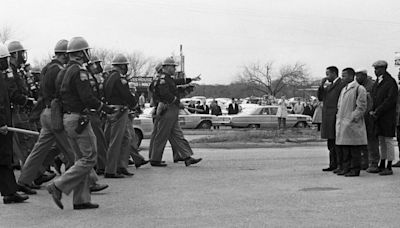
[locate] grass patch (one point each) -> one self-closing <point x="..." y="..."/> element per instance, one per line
<point x="259" y="136"/>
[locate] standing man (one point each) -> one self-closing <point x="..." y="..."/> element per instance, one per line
<point x="167" y="127"/>
<point x="298" y="108"/>
<point x="351" y="134"/>
<point x="77" y="98"/>
<point x="384" y="96"/>
<point x="330" y="96"/>
<point x="117" y="94"/>
<point x="8" y="186"/>
<point x="233" y="107"/>
<point x="48" y="137"/>
<point x="142" y="101"/>
<point x="371" y="151"/>
<point x="397" y="164"/>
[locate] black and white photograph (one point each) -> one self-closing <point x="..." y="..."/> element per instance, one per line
<point x="199" y="113"/>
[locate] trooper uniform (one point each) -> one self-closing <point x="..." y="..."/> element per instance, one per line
<point x="117" y="94"/>
<point x="77" y="97"/>
<point x="8" y="186"/>
<point x="167" y="126"/>
<point x="48" y="137"/>
<point x="23" y="143"/>
<point x="95" y="117"/>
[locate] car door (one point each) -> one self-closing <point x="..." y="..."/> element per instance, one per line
<point x="272" y="118"/>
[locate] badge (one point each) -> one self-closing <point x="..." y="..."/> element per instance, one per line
<point x="162" y="81"/>
<point x="84" y="76"/>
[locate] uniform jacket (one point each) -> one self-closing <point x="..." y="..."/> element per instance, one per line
<point x="116" y="91"/>
<point x="76" y="93"/>
<point x="329" y="95"/>
<point x="7" y="94"/>
<point x="350" y="125"/>
<point x="48" y="84"/>
<point x="166" y="89"/>
<point x="384" y="96"/>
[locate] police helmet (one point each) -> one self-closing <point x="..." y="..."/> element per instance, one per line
<point x="15" y="46"/>
<point x="4" y="51"/>
<point x="77" y="44"/>
<point x="119" y="59"/>
<point x="61" y="46"/>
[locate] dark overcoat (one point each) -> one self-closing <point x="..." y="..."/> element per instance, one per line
<point x="330" y="96"/>
<point x="8" y="91"/>
<point x="384" y="96"/>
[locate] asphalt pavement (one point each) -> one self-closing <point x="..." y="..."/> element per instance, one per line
<point x="274" y="187"/>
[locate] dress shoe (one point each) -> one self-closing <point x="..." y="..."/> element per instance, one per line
<point x="192" y="161"/>
<point x="100" y="171"/>
<point x="157" y="164"/>
<point x="25" y="189"/>
<point x="397" y="164"/>
<point x="373" y="169"/>
<point x="144" y="162"/>
<point x="98" y="187"/>
<point x="34" y="186"/>
<point x="329" y="169"/>
<point x="85" y="206"/>
<point x="56" y="194"/>
<point x="353" y="173"/>
<point x="125" y="172"/>
<point x="179" y="160"/>
<point x="44" y="178"/>
<point x="14" y="198"/>
<point x="386" y="172"/>
<point x="338" y="170"/>
<point x="113" y="175"/>
<point x="343" y="172"/>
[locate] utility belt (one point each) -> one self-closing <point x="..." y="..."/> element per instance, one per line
<point x="120" y="110"/>
<point x="83" y="120"/>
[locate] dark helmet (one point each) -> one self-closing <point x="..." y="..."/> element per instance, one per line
<point x="119" y="59"/>
<point x="169" y="62"/>
<point x="77" y="44"/>
<point x="61" y="46"/>
<point x="95" y="59"/>
<point x="15" y="46"/>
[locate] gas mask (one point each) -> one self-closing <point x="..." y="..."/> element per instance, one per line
<point x="22" y="57"/>
<point x="86" y="56"/>
<point x="4" y="63"/>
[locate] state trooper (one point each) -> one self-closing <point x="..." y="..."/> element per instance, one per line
<point x="77" y="98"/>
<point x="8" y="186"/>
<point x="48" y="136"/>
<point x="23" y="143"/>
<point x="96" y="81"/>
<point x="167" y="126"/>
<point x="117" y="94"/>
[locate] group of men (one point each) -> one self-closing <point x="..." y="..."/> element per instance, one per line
<point x="359" y="120"/>
<point x="86" y="115"/>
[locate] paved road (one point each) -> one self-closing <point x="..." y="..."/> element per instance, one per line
<point x="230" y="188"/>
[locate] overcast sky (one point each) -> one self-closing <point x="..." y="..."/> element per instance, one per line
<point x="218" y="36"/>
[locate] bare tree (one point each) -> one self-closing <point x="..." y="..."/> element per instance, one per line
<point x="104" y="54"/>
<point x="262" y="78"/>
<point x="6" y="33"/>
<point x="140" y="65"/>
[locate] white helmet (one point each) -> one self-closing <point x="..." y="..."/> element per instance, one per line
<point x="4" y="51"/>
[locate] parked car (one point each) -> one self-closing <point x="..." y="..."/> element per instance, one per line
<point x="265" y="117"/>
<point x="188" y="120"/>
<point x="143" y="126"/>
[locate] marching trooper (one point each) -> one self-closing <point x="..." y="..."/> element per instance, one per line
<point x="77" y="97"/>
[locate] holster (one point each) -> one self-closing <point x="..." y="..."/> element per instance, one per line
<point x="83" y="121"/>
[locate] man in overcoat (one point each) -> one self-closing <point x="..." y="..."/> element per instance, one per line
<point x="384" y="96"/>
<point x="330" y="95"/>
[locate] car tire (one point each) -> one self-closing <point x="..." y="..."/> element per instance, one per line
<point x="254" y="126"/>
<point x="139" y="135"/>
<point x="205" y="125"/>
<point x="301" y="125"/>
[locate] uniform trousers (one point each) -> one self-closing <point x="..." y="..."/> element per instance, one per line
<point x="96" y="123"/>
<point x="133" y="145"/>
<point x="76" y="178"/>
<point x="386" y="148"/>
<point x="118" y="141"/>
<point x="23" y="143"/>
<point x="167" y="129"/>
<point x="40" y="156"/>
<point x="8" y="186"/>
<point x="351" y="157"/>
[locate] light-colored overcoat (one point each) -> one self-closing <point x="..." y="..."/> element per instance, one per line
<point x="350" y="124"/>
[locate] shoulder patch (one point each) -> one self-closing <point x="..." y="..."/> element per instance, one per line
<point x="124" y="81"/>
<point x="162" y="81"/>
<point x="83" y="76"/>
<point x="162" y="76"/>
